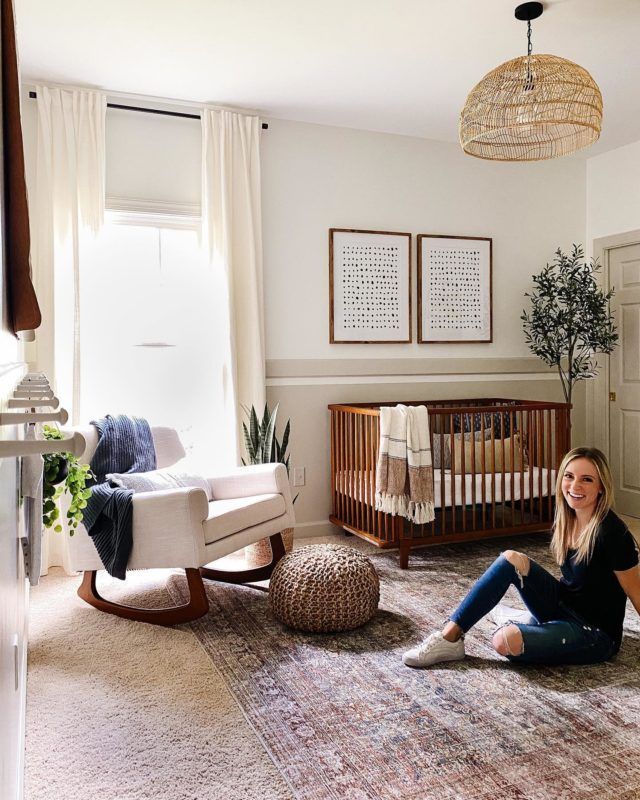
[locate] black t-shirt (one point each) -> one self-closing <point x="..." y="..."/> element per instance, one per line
<point x="591" y="589"/>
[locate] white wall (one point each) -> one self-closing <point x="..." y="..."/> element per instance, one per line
<point x="317" y="177"/>
<point x="613" y="210"/>
<point x="613" y="192"/>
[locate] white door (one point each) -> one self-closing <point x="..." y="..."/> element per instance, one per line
<point x="624" y="379"/>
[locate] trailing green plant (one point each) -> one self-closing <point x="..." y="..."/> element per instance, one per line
<point x="569" y="322"/>
<point x="260" y="439"/>
<point x="63" y="473"/>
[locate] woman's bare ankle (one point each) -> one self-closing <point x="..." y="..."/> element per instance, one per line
<point x="452" y="632"/>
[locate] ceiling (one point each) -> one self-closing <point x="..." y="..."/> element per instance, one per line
<point x="400" y="66"/>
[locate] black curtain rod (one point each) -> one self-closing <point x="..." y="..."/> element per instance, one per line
<point x="265" y="125"/>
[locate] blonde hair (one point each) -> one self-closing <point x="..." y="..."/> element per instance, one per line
<point x="565" y="516"/>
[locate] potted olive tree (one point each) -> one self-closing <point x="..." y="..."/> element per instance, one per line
<point x="569" y="322"/>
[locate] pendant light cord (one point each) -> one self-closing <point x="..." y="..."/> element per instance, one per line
<point x="529" y="81"/>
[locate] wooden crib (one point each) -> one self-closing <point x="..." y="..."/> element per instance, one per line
<point x="495" y="463"/>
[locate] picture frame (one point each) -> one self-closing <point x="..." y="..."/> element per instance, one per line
<point x="454" y="289"/>
<point x="369" y="287"/>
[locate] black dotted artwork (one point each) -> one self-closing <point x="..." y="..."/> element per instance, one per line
<point x="454" y="290"/>
<point x="371" y="277"/>
<point x="455" y="282"/>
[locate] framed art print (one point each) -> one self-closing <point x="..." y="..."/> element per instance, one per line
<point x="369" y="286"/>
<point x="454" y="289"/>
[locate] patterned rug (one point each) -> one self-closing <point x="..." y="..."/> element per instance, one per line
<point x="343" y="719"/>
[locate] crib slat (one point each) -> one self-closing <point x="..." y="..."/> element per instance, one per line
<point x="339" y="476"/>
<point x="519" y="417"/>
<point x="512" y="430"/>
<point x="345" y="451"/>
<point x="345" y="467"/>
<point x="473" y="479"/>
<point x="334" y="494"/>
<point x="379" y="515"/>
<point x="361" y="506"/>
<point x="374" y="460"/>
<point x="493" y="475"/>
<point x="356" y="484"/>
<point x="549" y="465"/>
<point x="433" y="521"/>
<point x="443" y="488"/>
<point x="540" y="460"/>
<point x="532" y="461"/>
<point x="463" y="476"/>
<point x="372" y="474"/>
<point x="363" y="476"/>
<point x="452" y="439"/>
<point x="352" y="487"/>
<point x="483" y="468"/>
<point x="502" y="471"/>
<point x="368" y="500"/>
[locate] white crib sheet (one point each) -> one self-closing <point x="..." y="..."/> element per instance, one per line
<point x="540" y="475"/>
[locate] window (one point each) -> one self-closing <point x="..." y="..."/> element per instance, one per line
<point x="154" y="331"/>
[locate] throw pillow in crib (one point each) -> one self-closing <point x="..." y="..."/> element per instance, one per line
<point x="505" y="453"/>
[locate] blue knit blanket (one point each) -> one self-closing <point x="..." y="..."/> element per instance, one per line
<point x="125" y="445"/>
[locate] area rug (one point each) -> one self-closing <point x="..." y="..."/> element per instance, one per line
<point x="343" y="719"/>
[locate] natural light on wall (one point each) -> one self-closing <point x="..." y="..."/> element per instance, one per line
<point x="153" y="322"/>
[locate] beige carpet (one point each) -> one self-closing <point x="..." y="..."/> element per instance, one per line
<point x="118" y="710"/>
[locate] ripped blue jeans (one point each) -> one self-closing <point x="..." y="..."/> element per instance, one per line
<point x="558" y="636"/>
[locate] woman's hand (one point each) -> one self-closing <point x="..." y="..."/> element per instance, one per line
<point x="629" y="579"/>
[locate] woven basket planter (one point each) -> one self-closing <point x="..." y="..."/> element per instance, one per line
<point x="324" y="588"/>
<point x="258" y="554"/>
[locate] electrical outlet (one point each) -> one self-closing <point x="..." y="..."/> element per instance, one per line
<point x="298" y="476"/>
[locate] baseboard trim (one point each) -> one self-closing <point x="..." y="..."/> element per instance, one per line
<point x="306" y="530"/>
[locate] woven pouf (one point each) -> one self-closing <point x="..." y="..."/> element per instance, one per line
<point x="324" y="588"/>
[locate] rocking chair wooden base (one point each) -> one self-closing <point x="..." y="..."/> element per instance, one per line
<point x="252" y="575"/>
<point x="198" y="604"/>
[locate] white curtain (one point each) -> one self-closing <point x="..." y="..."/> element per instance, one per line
<point x="67" y="205"/>
<point x="232" y="228"/>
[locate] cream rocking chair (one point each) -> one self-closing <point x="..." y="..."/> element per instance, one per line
<point x="182" y="528"/>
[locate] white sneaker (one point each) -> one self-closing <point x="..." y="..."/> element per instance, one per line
<point x="503" y="615"/>
<point x="433" y="650"/>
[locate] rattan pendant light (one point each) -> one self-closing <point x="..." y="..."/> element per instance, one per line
<point x="531" y="108"/>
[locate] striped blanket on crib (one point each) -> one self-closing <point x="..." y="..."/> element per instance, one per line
<point x="404" y="472"/>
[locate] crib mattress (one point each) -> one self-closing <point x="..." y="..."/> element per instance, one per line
<point x="534" y="482"/>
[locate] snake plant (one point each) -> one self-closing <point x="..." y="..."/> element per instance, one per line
<point x="260" y="439"/>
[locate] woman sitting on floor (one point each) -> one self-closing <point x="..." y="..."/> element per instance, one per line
<point x="575" y="620"/>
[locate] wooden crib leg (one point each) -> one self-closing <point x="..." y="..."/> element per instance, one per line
<point x="404" y="555"/>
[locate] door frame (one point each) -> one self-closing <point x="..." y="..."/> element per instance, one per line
<point x="597" y="389"/>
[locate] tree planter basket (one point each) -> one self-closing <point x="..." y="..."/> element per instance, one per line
<point x="259" y="554"/>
